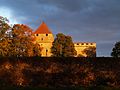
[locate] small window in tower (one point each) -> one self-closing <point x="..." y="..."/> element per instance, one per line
<point x="46" y="52"/>
<point x="77" y="43"/>
<point x="86" y="43"/>
<point x="46" y="34"/>
<point x="82" y="43"/>
<point x="91" y="43"/>
<point x="42" y="39"/>
<point x="36" y="34"/>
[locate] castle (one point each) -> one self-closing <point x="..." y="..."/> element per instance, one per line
<point x="45" y="38"/>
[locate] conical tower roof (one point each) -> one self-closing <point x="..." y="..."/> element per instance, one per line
<point x="43" y="29"/>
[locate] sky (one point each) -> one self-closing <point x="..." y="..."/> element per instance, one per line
<point x="85" y="20"/>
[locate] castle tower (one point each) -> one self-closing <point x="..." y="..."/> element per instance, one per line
<point x="45" y="38"/>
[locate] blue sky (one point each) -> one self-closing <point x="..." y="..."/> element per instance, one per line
<point x="85" y="20"/>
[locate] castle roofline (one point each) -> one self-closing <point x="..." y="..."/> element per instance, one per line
<point x="43" y="29"/>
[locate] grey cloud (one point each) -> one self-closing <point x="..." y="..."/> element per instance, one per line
<point x="84" y="20"/>
<point x="71" y="5"/>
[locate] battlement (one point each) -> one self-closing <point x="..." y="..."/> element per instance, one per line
<point x="83" y="44"/>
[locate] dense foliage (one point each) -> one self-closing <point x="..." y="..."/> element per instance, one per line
<point x="23" y="41"/>
<point x="4" y="37"/>
<point x="17" y="40"/>
<point x="63" y="46"/>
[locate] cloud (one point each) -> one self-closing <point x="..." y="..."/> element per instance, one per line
<point x="63" y="4"/>
<point x="84" y="20"/>
<point x="8" y="14"/>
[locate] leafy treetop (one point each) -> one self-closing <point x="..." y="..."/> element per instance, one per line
<point x="63" y="46"/>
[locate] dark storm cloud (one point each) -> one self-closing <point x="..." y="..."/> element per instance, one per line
<point x="84" y="20"/>
<point x="65" y="4"/>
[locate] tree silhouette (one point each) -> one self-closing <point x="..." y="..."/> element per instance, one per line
<point x="116" y="50"/>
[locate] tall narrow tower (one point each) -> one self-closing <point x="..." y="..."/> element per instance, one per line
<point x="44" y="38"/>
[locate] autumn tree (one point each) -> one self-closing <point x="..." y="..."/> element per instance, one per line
<point x="4" y="36"/>
<point x="4" y="27"/>
<point x="90" y="51"/>
<point x="63" y="46"/>
<point x="116" y="50"/>
<point x="23" y="42"/>
<point x="17" y="40"/>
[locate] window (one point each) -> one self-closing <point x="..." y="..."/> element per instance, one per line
<point x="46" y="34"/>
<point x="36" y="34"/>
<point x="86" y="43"/>
<point x="46" y="52"/>
<point x="91" y="43"/>
<point x="77" y="43"/>
<point x="82" y="43"/>
<point x="42" y="39"/>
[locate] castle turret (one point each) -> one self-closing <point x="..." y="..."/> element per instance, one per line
<point x="45" y="38"/>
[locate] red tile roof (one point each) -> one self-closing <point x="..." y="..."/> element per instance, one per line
<point x="43" y="29"/>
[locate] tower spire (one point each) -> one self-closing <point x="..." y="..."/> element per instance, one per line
<point x="43" y="29"/>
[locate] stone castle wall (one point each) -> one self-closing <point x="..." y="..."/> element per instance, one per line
<point x="80" y="46"/>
